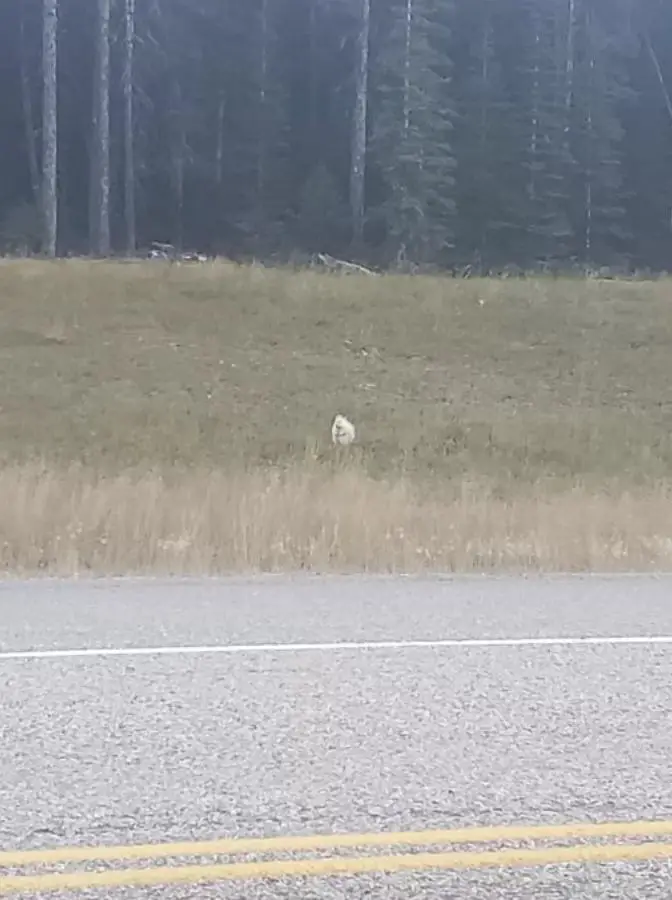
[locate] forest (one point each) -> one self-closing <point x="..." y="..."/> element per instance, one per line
<point x="463" y="134"/>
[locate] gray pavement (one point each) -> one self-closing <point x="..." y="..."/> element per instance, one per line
<point x="149" y="749"/>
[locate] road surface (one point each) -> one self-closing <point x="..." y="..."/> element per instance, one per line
<point x="237" y="708"/>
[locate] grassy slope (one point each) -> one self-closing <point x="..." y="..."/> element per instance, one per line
<point x="513" y="384"/>
<point x="211" y="364"/>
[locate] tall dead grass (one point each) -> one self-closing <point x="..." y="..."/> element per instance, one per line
<point x="73" y="521"/>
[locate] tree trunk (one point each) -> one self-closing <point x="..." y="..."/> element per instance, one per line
<point x="27" y="109"/>
<point x="49" y="204"/>
<point x="589" y="166"/>
<point x="263" y="90"/>
<point x="569" y="55"/>
<point x="219" y="147"/>
<point x="358" y="150"/>
<point x="129" y="151"/>
<point x="177" y="154"/>
<point x="486" y="49"/>
<point x="534" y="121"/>
<point x="313" y="53"/>
<point x="408" y="35"/>
<point x="99" y="207"/>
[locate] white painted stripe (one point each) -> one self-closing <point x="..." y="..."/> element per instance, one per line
<point x="239" y="649"/>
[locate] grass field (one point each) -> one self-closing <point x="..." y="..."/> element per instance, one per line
<point x="162" y="418"/>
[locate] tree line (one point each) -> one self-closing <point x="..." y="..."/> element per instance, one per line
<point x="476" y="133"/>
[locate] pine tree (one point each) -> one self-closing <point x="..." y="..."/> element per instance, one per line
<point x="603" y="43"/>
<point x="546" y="232"/>
<point x="648" y="139"/>
<point x="412" y="127"/>
<point x="486" y="141"/>
<point x="493" y="131"/>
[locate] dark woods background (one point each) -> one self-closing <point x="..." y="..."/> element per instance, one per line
<point x="438" y="132"/>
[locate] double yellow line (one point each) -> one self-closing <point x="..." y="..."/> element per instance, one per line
<point x="204" y="873"/>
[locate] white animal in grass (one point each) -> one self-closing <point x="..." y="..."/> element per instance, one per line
<point x="342" y="431"/>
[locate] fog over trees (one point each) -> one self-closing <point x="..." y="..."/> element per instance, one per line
<point x="475" y="133"/>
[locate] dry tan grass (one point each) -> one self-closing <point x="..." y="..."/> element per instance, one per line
<point x="181" y="417"/>
<point x="69" y="522"/>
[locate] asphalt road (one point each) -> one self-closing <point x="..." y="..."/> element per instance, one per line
<point x="190" y="746"/>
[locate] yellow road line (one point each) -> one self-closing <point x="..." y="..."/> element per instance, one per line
<point x="305" y="843"/>
<point x="168" y="875"/>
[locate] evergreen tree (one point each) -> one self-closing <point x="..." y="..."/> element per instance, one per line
<point x="546" y="231"/>
<point x="649" y="161"/>
<point x="488" y="132"/>
<point x="603" y="43"/>
<point x="487" y="137"/>
<point x="412" y="128"/>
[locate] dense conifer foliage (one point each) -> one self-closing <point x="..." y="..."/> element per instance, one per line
<point x="478" y="133"/>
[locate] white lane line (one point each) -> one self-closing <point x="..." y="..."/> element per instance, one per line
<point x="239" y="649"/>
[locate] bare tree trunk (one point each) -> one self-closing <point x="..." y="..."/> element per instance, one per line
<point x="49" y="204"/>
<point x="314" y="63"/>
<point x="27" y="107"/>
<point x="177" y="154"/>
<point x="569" y="54"/>
<point x="358" y="151"/>
<point x="569" y="73"/>
<point x="219" y="148"/>
<point x="534" y="123"/>
<point x="588" y="194"/>
<point x="129" y="148"/>
<point x="99" y="192"/>
<point x="407" y="66"/>
<point x="263" y="112"/>
<point x="486" y="50"/>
